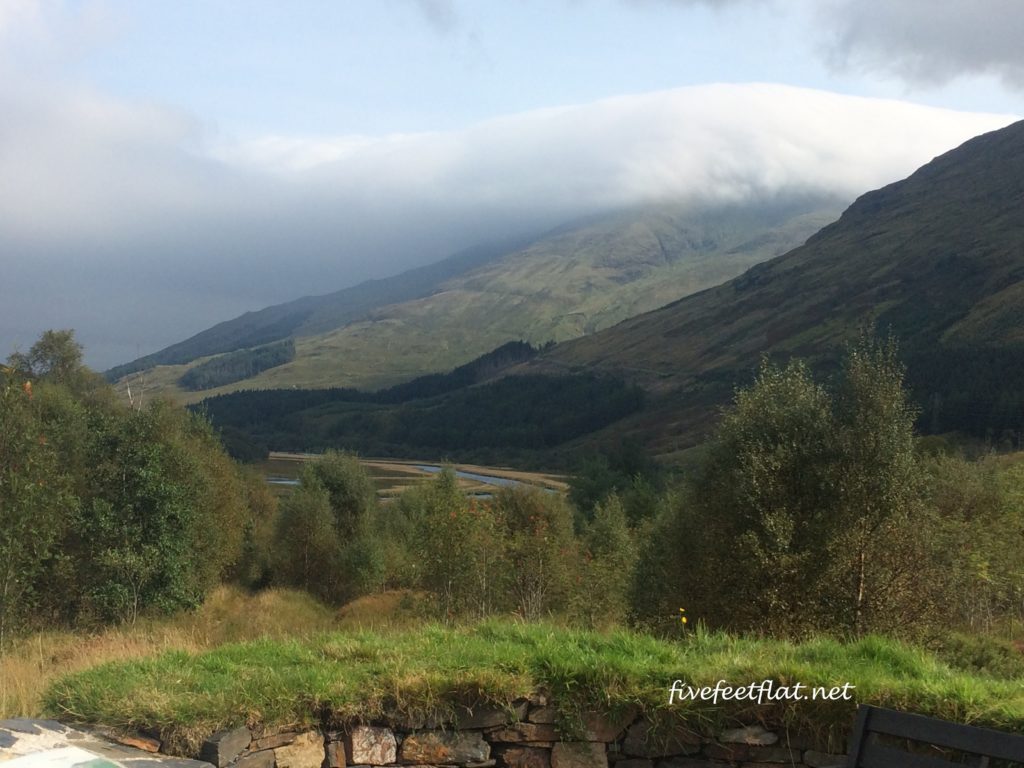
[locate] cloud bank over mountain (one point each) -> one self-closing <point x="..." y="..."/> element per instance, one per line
<point x="131" y="207"/>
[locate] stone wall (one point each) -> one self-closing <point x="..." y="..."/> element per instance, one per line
<point x="528" y="736"/>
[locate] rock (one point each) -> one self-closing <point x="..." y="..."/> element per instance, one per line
<point x="262" y="759"/>
<point x="224" y="746"/>
<point x="272" y="740"/>
<point x="307" y="751"/>
<point x="823" y="759"/>
<point x="335" y="752"/>
<point x="144" y="743"/>
<point x="733" y="753"/>
<point x="25" y="725"/>
<point x="368" y="745"/>
<point x="7" y="739"/>
<point x="775" y="755"/>
<point x="578" y="754"/>
<point x="634" y="762"/>
<point x="540" y="698"/>
<point x="599" y="726"/>
<point x="547" y="715"/>
<point x="664" y="736"/>
<point x="445" y="747"/>
<point x="114" y="752"/>
<point x="525" y="757"/>
<point x="488" y="717"/>
<point x="524" y="732"/>
<point x="751" y="734"/>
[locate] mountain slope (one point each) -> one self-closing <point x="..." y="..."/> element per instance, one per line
<point x="571" y="282"/>
<point x="937" y="258"/>
<point x="315" y="314"/>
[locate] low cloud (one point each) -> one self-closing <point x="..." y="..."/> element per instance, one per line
<point x="138" y="227"/>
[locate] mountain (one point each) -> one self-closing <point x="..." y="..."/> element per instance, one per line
<point x="312" y="314"/>
<point x="573" y="281"/>
<point x="936" y="259"/>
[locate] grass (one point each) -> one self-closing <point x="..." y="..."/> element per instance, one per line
<point x="415" y="670"/>
<point x="32" y="662"/>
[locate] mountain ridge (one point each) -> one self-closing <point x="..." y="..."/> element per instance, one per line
<point x="573" y="281"/>
<point x="936" y="258"/>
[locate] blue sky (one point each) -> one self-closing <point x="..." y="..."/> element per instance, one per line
<point x="167" y="165"/>
<point x="376" y="66"/>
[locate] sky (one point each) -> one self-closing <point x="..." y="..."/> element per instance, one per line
<point x="167" y="165"/>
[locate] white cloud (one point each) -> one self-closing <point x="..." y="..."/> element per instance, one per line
<point x="713" y="143"/>
<point x="128" y="208"/>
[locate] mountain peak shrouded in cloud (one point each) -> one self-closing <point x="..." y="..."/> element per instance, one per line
<point x="165" y="166"/>
<point x="130" y="204"/>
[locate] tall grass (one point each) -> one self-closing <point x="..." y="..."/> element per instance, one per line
<point x="229" y="615"/>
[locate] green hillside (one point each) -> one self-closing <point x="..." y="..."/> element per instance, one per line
<point x="937" y="259"/>
<point x="573" y="281"/>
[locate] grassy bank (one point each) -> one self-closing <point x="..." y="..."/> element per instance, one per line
<point x="368" y="674"/>
<point x="229" y="615"/>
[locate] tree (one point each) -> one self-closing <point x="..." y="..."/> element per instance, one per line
<point x="539" y="549"/>
<point x="33" y="503"/>
<point x="802" y="516"/>
<point x="56" y="357"/>
<point x="607" y="566"/>
<point x="349" y="487"/>
<point x="309" y="553"/>
<point x="878" y="486"/>
<point x="764" y="498"/>
<point x="457" y="548"/>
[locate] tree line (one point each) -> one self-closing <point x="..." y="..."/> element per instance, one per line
<point x="237" y="366"/>
<point x="458" y="414"/>
<point x="815" y="508"/>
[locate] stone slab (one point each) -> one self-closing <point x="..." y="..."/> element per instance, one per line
<point x="261" y="759"/>
<point x="525" y="757"/>
<point x="445" y="747"/>
<point x="307" y="751"/>
<point x="488" y="717"/>
<point x="371" y="745"/>
<point x="579" y="754"/>
<point x="524" y="732"/>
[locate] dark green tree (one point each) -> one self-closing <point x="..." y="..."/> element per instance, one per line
<point x="308" y="550"/>
<point x="34" y="503"/>
<point x="349" y="488"/>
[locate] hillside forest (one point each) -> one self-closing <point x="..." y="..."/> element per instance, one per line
<point x="815" y="510"/>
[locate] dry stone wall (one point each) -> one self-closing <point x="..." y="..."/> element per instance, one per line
<point x="526" y="736"/>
